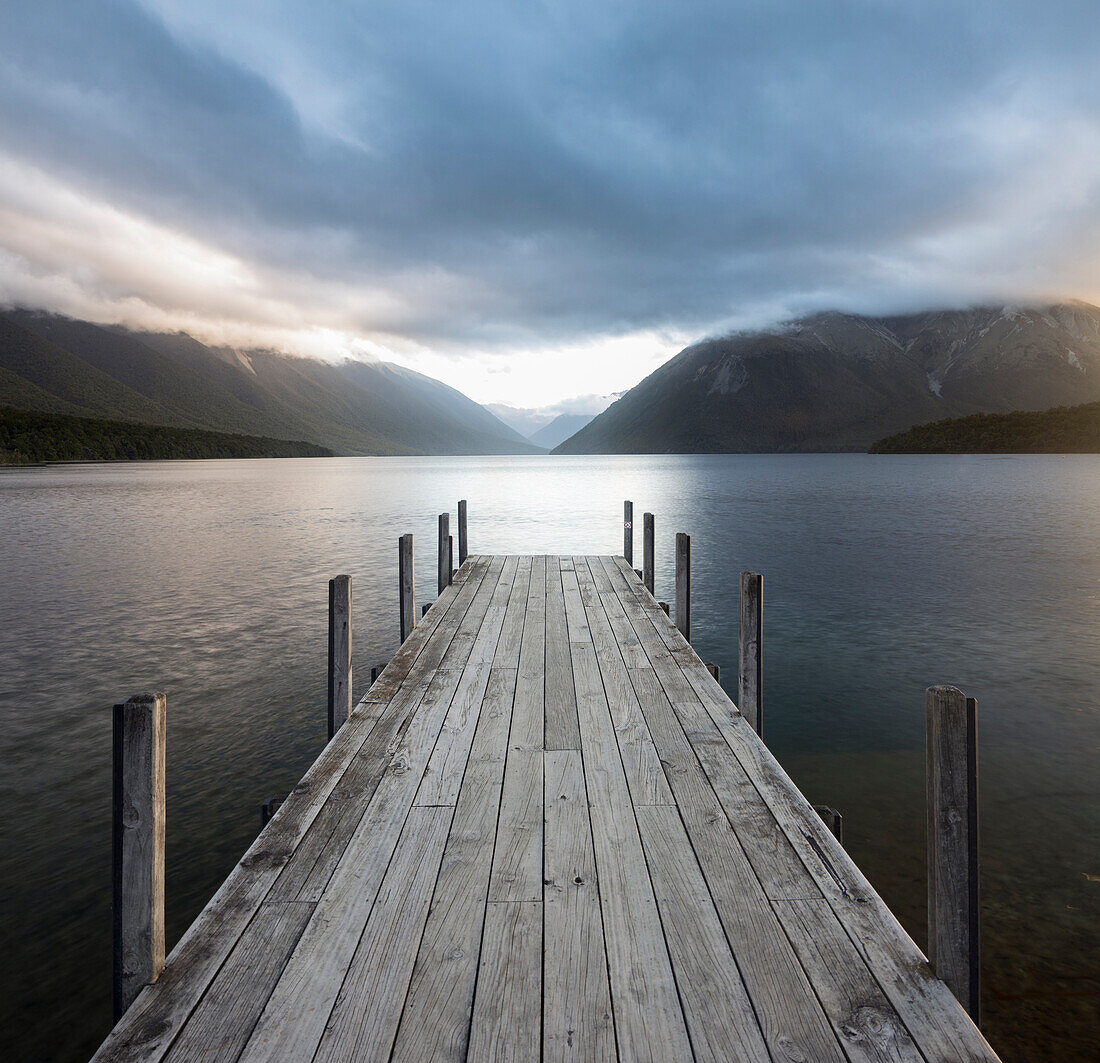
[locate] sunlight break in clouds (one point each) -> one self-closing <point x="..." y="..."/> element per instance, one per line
<point x="532" y="202"/>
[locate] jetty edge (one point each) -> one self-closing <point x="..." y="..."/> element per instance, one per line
<point x="545" y="832"/>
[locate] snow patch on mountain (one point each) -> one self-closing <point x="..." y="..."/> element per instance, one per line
<point x="731" y="377"/>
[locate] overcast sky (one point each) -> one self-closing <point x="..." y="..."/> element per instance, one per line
<point x="537" y="200"/>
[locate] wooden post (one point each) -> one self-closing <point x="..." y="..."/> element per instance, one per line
<point x="444" y="572"/>
<point x="339" y="652"/>
<point x="463" y="541"/>
<point x="647" y="551"/>
<point x="450" y="559"/>
<point x="714" y="669"/>
<point x="953" y="931"/>
<point x="664" y="606"/>
<point x="833" y="820"/>
<point x="376" y="671"/>
<point x="424" y="610"/>
<point x="269" y="808"/>
<point x="406" y="579"/>
<point x="683" y="584"/>
<point x="628" y="533"/>
<point x="750" y="683"/>
<point x="138" y="931"/>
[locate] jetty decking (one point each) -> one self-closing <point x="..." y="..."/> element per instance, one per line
<point x="546" y="833"/>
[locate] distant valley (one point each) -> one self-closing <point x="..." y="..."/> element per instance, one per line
<point x="838" y="381"/>
<point x="543" y="428"/>
<point x="56" y="365"/>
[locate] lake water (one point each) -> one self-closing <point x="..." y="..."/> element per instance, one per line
<point x="883" y="575"/>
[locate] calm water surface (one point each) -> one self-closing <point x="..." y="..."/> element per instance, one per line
<point x="882" y="575"/>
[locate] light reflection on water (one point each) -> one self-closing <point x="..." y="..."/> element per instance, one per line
<point x="882" y="575"/>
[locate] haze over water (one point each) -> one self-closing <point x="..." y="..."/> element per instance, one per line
<point x="883" y="575"/>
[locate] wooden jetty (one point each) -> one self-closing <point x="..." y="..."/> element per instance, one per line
<point x="545" y="833"/>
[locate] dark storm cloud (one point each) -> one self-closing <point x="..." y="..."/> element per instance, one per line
<point x="517" y="173"/>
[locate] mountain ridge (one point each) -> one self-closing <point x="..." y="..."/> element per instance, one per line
<point x="50" y="363"/>
<point x="836" y="381"/>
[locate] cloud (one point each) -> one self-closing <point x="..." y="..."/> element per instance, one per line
<point x="489" y="186"/>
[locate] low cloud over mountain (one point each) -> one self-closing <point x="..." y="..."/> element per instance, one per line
<point x="840" y="382"/>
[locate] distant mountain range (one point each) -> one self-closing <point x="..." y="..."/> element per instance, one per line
<point x="54" y="364"/>
<point x="841" y="381"/>
<point x="544" y="428"/>
<point x="560" y="429"/>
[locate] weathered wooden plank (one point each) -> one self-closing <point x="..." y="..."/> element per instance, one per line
<point x="517" y="858"/>
<point x="649" y="1023"/>
<point x="930" y="1012"/>
<point x="294" y="1019"/>
<point x="560" y="700"/>
<point x="311" y="864"/>
<point x="641" y="763"/>
<point x="443" y="776"/>
<point x="575" y="617"/>
<point x="313" y="861"/>
<point x="507" y="1019"/>
<point x="577" y="1022"/>
<point x="161" y="1009"/>
<point x="138" y="824"/>
<point x="789" y="1013"/>
<point x="511" y="636"/>
<point x="868" y="1027"/>
<point x="719" y="1013"/>
<point x="461" y="646"/>
<point x="400" y="665"/>
<point x="366" y="1013"/>
<point x="776" y="861"/>
<point x="768" y="966"/>
<point x="223" y="1021"/>
<point x="435" y="1023"/>
<point x="630" y="647"/>
<point x="828" y="971"/>
<point x="528" y="719"/>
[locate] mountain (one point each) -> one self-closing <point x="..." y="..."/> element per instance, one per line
<point x="560" y="429"/>
<point x="526" y="422"/>
<point x="841" y="381"/>
<point x="1062" y="430"/>
<point x="55" y="364"/>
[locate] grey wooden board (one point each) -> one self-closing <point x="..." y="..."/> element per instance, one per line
<point x="577" y="1022"/>
<point x="223" y="1021"/>
<point x="435" y="1024"/>
<point x="366" y="1013"/>
<point x="507" y="1019"/>
<point x="644" y="775"/>
<point x="719" y="1012"/>
<point x="562" y="728"/>
<point x="865" y="1022"/>
<point x="545" y="832"/>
